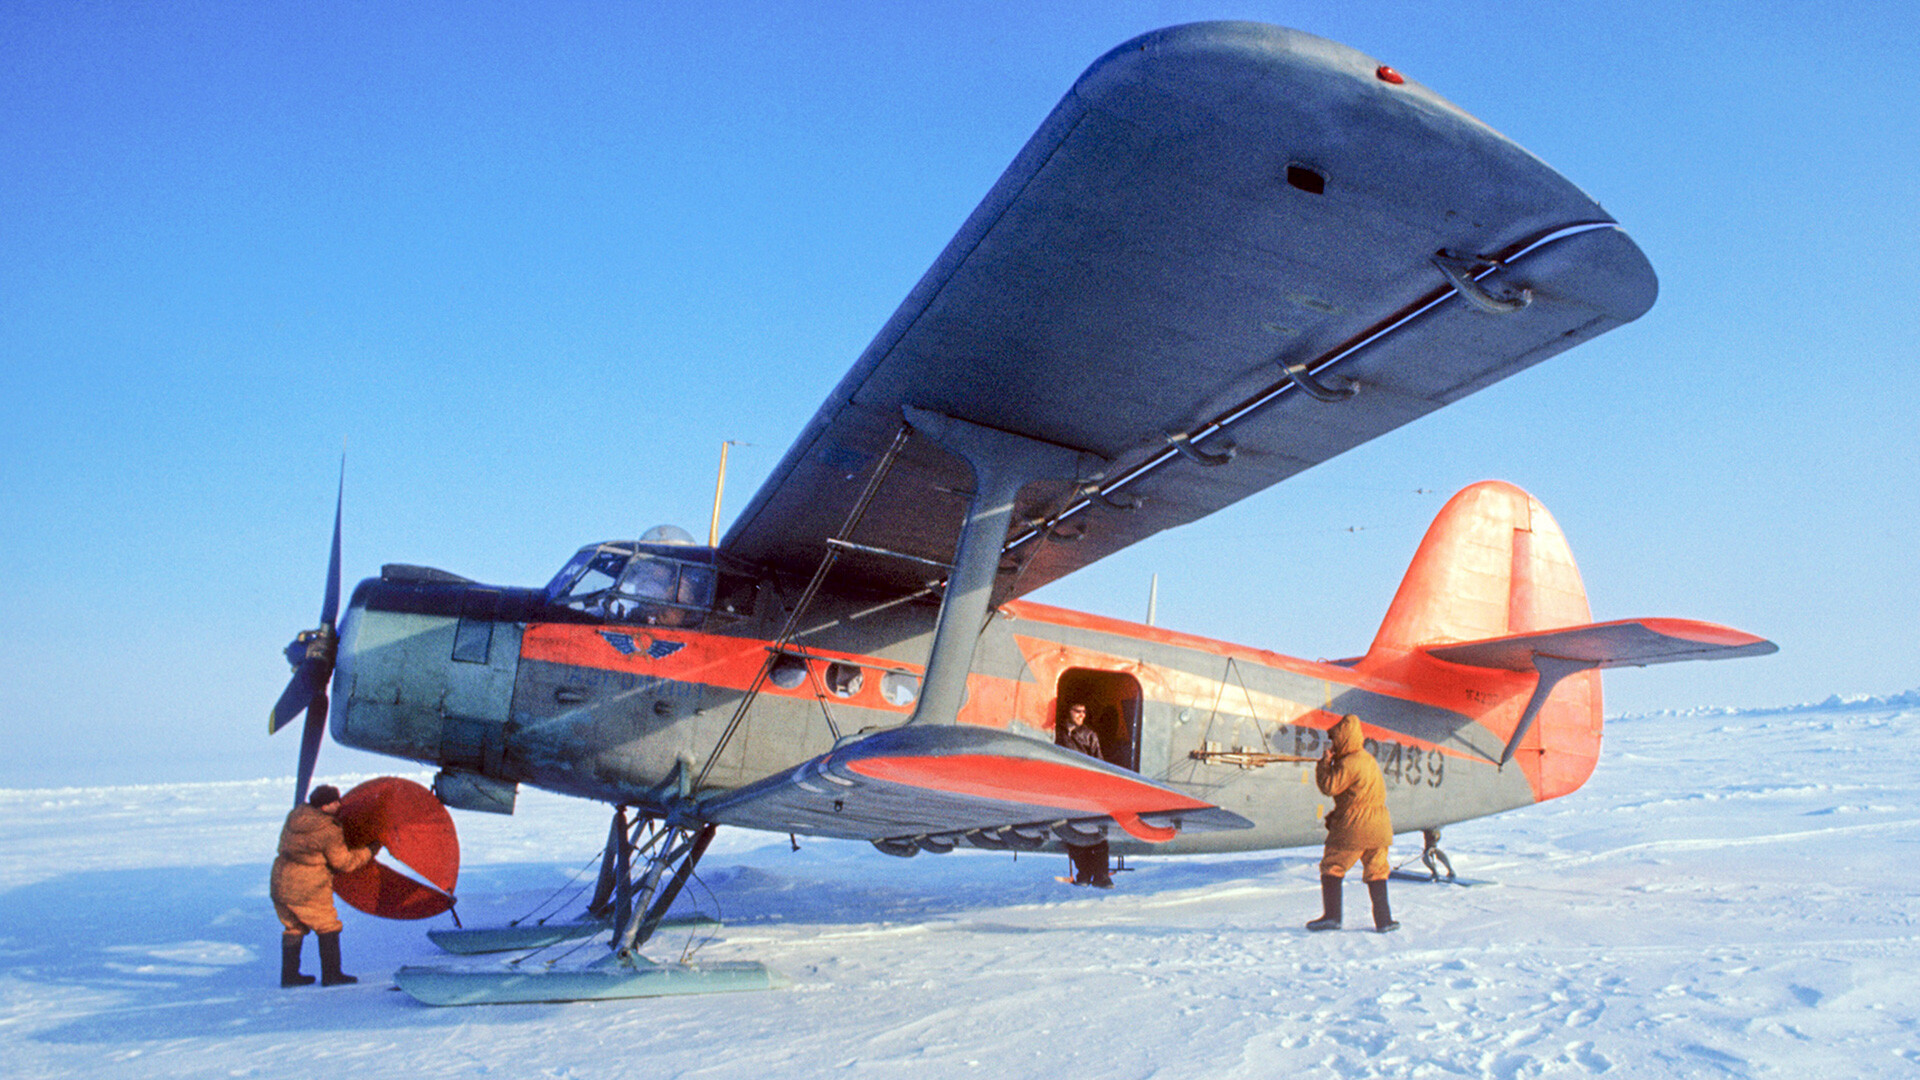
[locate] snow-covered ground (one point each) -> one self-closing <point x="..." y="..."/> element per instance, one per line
<point x="1733" y="894"/>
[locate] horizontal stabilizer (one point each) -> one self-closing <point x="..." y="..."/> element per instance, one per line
<point x="1626" y="643"/>
<point x="931" y="787"/>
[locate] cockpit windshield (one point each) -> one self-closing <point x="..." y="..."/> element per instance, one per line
<point x="591" y="570"/>
<point x="655" y="584"/>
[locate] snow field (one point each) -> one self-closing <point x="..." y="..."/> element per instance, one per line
<point x="1731" y="895"/>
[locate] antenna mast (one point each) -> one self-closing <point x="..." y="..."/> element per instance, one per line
<point x="719" y="485"/>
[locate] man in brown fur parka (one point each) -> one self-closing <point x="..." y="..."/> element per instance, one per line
<point x="312" y="850"/>
<point x="1358" y="828"/>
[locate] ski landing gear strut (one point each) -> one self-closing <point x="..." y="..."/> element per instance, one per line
<point x="1439" y="867"/>
<point x="641" y="873"/>
<point x="638" y="906"/>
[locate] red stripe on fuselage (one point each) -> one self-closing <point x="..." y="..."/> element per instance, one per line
<point x="1426" y="690"/>
<point x="998" y="701"/>
<point x="731" y="663"/>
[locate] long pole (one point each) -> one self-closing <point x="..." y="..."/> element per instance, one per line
<point x="719" y="485"/>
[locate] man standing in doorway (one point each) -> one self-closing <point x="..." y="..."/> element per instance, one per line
<point x="1089" y="860"/>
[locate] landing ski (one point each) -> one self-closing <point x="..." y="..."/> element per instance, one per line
<point x="490" y="939"/>
<point x="606" y="980"/>
<point x="1421" y="878"/>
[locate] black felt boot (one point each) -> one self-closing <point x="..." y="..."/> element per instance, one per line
<point x="330" y="961"/>
<point x="1330" y="903"/>
<point x="1382" y="914"/>
<point x="290" y="961"/>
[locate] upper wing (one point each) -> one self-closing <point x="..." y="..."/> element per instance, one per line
<point x="1209" y="206"/>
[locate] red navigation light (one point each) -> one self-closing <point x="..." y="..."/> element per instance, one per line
<point x="1388" y="75"/>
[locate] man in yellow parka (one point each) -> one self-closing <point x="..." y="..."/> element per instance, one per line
<point x="1358" y="828"/>
<point x="312" y="850"/>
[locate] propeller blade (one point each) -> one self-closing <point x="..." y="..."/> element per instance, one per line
<point x="310" y="746"/>
<point x="330" y="608"/>
<point x="312" y="654"/>
<point x="309" y="679"/>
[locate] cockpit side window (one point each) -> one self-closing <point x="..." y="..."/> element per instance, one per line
<point x="649" y="579"/>
<point x="734" y="595"/>
<point x="660" y="591"/>
<point x="696" y="586"/>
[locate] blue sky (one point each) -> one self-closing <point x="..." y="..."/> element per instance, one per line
<point x="532" y="263"/>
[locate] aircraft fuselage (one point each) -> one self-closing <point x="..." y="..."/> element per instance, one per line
<point x="501" y="686"/>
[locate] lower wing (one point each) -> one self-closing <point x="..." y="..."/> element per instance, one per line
<point x="932" y="787"/>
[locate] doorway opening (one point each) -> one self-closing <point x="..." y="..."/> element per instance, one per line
<point x="1113" y="702"/>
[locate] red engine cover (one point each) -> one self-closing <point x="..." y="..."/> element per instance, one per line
<point x="416" y="831"/>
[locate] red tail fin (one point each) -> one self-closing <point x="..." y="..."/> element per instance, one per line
<point x="1494" y="563"/>
<point x="1492" y="621"/>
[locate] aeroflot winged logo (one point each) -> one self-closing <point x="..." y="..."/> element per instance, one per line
<point x="628" y="644"/>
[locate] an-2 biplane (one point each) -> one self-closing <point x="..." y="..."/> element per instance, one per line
<point x="1231" y="252"/>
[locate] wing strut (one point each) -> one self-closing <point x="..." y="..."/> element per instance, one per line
<point x="1002" y="464"/>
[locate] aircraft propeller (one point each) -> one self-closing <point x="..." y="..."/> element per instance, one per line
<point x="312" y="654"/>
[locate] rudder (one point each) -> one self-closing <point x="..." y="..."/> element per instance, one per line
<point x="1495" y="563"/>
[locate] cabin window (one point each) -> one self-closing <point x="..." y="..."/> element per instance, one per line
<point x="899" y="688"/>
<point x="788" y="673"/>
<point x="844" y="680"/>
<point x="734" y="595"/>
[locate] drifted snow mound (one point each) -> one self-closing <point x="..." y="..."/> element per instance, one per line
<point x="1835" y="703"/>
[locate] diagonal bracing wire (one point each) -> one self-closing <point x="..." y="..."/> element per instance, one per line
<point x="785" y="636"/>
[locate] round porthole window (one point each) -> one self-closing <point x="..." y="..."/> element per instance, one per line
<point x="788" y="673"/>
<point x="899" y="688"/>
<point x="844" y="680"/>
